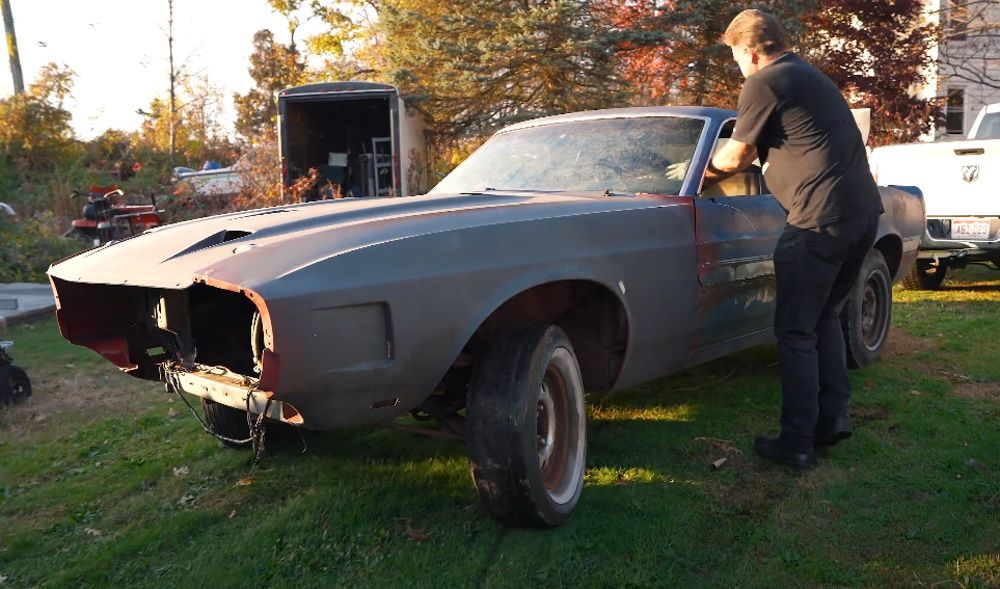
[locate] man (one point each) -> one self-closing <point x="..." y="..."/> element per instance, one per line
<point x="794" y="119"/>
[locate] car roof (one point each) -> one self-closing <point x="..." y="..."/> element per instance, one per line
<point x="631" y="112"/>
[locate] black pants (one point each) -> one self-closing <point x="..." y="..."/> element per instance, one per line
<point x="815" y="270"/>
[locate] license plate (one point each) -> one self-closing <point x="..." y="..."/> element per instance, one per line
<point x="972" y="230"/>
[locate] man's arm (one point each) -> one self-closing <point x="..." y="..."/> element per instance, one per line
<point x="734" y="157"/>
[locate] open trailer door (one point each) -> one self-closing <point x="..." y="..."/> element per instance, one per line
<point x="358" y="137"/>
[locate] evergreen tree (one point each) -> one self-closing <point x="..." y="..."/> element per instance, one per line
<point x="273" y="67"/>
<point x="478" y="65"/>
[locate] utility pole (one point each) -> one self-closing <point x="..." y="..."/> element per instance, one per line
<point x="15" y="58"/>
<point x="173" y="80"/>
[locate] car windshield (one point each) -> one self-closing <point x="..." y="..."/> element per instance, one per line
<point x="630" y="155"/>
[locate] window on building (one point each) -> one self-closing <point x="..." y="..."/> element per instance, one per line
<point x="955" y="111"/>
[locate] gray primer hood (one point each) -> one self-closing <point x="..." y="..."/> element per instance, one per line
<point x="255" y="247"/>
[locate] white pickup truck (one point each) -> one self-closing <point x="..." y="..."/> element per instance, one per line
<point x="961" y="185"/>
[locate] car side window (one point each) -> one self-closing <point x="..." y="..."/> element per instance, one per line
<point x="749" y="182"/>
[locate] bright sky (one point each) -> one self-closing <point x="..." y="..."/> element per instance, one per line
<point x="118" y="48"/>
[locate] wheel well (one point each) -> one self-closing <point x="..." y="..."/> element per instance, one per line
<point x="590" y="314"/>
<point x="891" y="248"/>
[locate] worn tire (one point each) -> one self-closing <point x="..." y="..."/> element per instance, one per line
<point x="20" y="384"/>
<point x="868" y="312"/>
<point x="526" y="428"/>
<point x="227" y="421"/>
<point x="14" y="384"/>
<point x="924" y="277"/>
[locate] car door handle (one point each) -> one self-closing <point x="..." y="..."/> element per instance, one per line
<point x="970" y="151"/>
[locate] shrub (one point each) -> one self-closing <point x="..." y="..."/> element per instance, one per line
<point x="29" y="245"/>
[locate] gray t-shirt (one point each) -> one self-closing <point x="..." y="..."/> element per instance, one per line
<point x="803" y="128"/>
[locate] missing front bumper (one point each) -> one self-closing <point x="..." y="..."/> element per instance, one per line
<point x="231" y="389"/>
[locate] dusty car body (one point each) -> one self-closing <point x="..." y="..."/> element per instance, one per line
<point x="358" y="311"/>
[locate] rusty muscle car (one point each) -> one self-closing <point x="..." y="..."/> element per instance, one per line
<point x="560" y="257"/>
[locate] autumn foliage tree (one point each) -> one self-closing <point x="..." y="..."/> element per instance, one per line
<point x="197" y="133"/>
<point x="670" y="51"/>
<point x="878" y="55"/>
<point x="35" y="132"/>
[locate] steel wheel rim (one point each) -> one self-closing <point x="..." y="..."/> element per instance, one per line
<point x="874" y="311"/>
<point x="559" y="426"/>
<point x="546" y="426"/>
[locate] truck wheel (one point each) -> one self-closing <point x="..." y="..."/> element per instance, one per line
<point x="866" y="315"/>
<point x="526" y="432"/>
<point x="226" y="421"/>
<point x="923" y="276"/>
<point x="20" y="384"/>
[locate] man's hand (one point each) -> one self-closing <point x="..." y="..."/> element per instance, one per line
<point x="678" y="171"/>
<point x="731" y="158"/>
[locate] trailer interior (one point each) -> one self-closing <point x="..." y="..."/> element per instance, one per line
<point x="347" y="141"/>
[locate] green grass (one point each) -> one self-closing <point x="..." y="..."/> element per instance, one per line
<point x="106" y="482"/>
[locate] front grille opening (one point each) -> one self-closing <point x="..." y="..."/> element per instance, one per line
<point x="221" y="323"/>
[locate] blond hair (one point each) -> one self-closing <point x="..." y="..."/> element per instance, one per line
<point x="758" y="30"/>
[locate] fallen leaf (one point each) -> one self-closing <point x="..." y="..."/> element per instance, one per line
<point x="3" y="579"/>
<point x="719" y="445"/>
<point x="70" y="366"/>
<point x="245" y="481"/>
<point x="867" y="383"/>
<point x="417" y="536"/>
<point x="232" y="514"/>
<point x="411" y="533"/>
<point x="718" y="463"/>
<point x="180" y="471"/>
<point x="92" y="532"/>
<point x="915" y="393"/>
<point x="186" y="500"/>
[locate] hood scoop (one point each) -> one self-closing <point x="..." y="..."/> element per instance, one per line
<point x="265" y="212"/>
<point x="215" y="239"/>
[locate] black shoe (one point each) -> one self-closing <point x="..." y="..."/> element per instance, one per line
<point x="776" y="450"/>
<point x="839" y="430"/>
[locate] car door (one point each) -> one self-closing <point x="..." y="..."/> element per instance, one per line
<point x="738" y="223"/>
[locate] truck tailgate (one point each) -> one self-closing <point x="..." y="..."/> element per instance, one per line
<point x="958" y="178"/>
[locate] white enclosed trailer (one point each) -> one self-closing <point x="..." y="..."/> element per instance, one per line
<point x="360" y="137"/>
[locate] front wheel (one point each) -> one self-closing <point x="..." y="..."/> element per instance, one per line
<point x="227" y="422"/>
<point x="526" y="428"/>
<point x="866" y="315"/>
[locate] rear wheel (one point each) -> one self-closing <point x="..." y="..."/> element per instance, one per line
<point x="925" y="276"/>
<point x="526" y="428"/>
<point x="866" y="315"/>
<point x="228" y="422"/>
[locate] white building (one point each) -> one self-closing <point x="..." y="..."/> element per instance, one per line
<point x="967" y="61"/>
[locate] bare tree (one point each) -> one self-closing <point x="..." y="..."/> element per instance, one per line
<point x="970" y="41"/>
<point x="172" y="107"/>
<point x="12" y="54"/>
